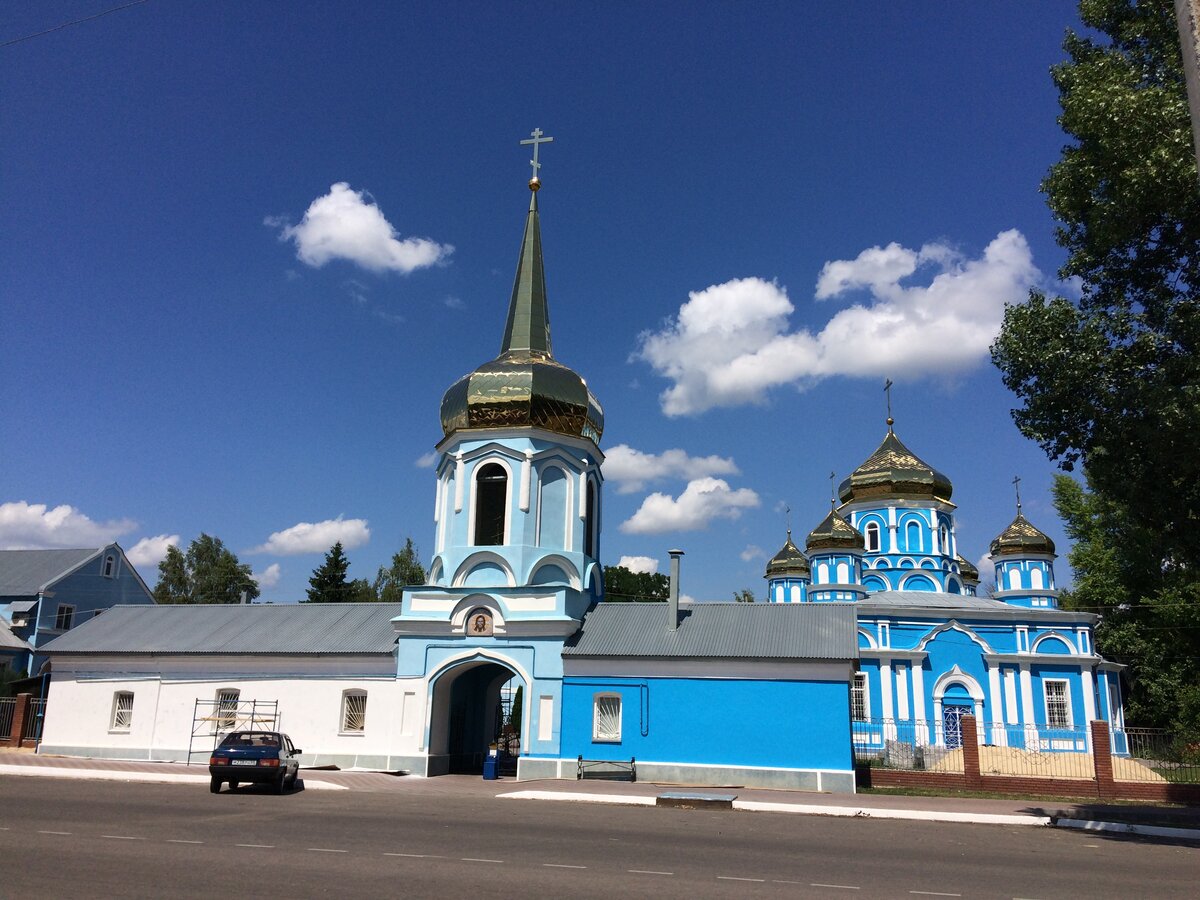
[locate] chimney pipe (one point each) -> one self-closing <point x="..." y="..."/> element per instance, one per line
<point x="673" y="595"/>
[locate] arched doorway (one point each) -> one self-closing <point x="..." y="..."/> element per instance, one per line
<point x="473" y="708"/>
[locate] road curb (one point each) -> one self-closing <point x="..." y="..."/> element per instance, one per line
<point x="1186" y="834"/>
<point x="153" y="777"/>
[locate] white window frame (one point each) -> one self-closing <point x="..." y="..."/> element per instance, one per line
<point x="1061" y="704"/>
<point x="108" y="568"/>
<point x="67" y="611"/>
<point x="476" y="471"/>
<point x="121" y="719"/>
<point x="351" y="699"/>
<point x="603" y="733"/>
<point x="860" y="695"/>
<point x="872" y="530"/>
<point x="225" y="712"/>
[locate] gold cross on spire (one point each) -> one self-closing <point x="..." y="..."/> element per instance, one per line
<point x="1017" y="484"/>
<point x="887" y="389"/>
<point x="536" y="139"/>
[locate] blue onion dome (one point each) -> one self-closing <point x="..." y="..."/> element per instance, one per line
<point x="894" y="471"/>
<point x="525" y="386"/>
<point x="1021" y="538"/>
<point x="789" y="561"/>
<point x="834" y="533"/>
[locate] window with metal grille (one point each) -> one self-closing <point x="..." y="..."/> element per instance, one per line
<point x="606" y="721"/>
<point x="227" y="708"/>
<point x="858" y="697"/>
<point x="354" y="711"/>
<point x="65" y="617"/>
<point x="1058" y="704"/>
<point x="122" y="711"/>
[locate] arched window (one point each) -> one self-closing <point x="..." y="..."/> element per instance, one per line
<point x="843" y="573"/>
<point x="1014" y="578"/>
<point x="110" y="566"/>
<point x="553" y="500"/>
<point x="1035" y="579"/>
<point x="872" y="536"/>
<point x="912" y="537"/>
<point x="491" y="503"/>
<point x="589" y="522"/>
<point x="227" y="708"/>
<point x="354" y="712"/>
<point x="944" y="537"/>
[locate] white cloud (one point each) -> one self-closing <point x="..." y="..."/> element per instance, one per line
<point x="752" y="551"/>
<point x="647" y="564"/>
<point x="731" y="343"/>
<point x="631" y="469"/>
<point x="453" y="302"/>
<point x="35" y="526"/>
<point x="427" y="461"/>
<point x="703" y="500"/>
<point x="149" y="551"/>
<point x="268" y="577"/>
<point x="316" y="537"/>
<point x="346" y="224"/>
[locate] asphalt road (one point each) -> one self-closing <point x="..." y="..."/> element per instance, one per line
<point x="65" y="838"/>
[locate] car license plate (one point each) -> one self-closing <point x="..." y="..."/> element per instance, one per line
<point x="243" y="762"/>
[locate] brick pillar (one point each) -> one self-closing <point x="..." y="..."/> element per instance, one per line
<point x="20" y="713"/>
<point x="1102" y="760"/>
<point x="970" y="749"/>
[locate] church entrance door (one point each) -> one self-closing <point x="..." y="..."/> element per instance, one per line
<point x="472" y="713"/>
<point x="952" y="725"/>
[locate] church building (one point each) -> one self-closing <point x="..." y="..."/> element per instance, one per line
<point x="874" y="629"/>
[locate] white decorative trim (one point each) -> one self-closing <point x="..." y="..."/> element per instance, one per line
<point x="480" y="556"/>
<point x="1056" y="635"/>
<point x="953" y="625"/>
<point x="563" y="563"/>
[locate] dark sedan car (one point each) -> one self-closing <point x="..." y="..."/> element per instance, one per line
<point x="255" y="757"/>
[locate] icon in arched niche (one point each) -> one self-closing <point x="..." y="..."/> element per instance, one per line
<point x="479" y="623"/>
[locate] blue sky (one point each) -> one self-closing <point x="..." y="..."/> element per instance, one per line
<point x="247" y="246"/>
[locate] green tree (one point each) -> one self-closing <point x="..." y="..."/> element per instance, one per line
<point x="328" y="582"/>
<point x="1111" y="382"/>
<point x="745" y="595"/>
<point x="404" y="570"/>
<point x="514" y="716"/>
<point x="208" y="573"/>
<point x="1150" y="611"/>
<point x="620" y="584"/>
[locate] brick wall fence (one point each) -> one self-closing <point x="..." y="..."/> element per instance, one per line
<point x="1101" y="785"/>
<point x="21" y="713"/>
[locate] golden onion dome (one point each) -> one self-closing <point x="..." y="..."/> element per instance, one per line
<point x="967" y="570"/>
<point x="894" y="471"/>
<point x="788" y="561"/>
<point x="1020" y="538"/>
<point x="835" y="533"/>
<point x="525" y="386"/>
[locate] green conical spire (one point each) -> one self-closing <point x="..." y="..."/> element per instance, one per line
<point x="528" y="327"/>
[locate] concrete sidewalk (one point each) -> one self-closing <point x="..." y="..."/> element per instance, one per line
<point x="1157" y="821"/>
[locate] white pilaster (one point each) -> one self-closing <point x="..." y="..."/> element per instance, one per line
<point x="526" y="478"/>
<point x="460" y="473"/>
<point x="1027" y="704"/>
<point x="918" y="679"/>
<point x="902" y="692"/>
<point x="997" y="704"/>
<point x="892" y="547"/>
<point x="885" y="693"/>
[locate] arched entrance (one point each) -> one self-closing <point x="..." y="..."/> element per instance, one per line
<point x="472" y="709"/>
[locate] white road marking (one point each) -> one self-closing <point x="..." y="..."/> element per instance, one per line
<point x="735" y="878"/>
<point x="647" y="872"/>
<point x="623" y="799"/>
<point x="157" y="777"/>
<point x="416" y="855"/>
<point x="858" y="812"/>
<point x="840" y="887"/>
<point x="476" y="859"/>
<point x="561" y="866"/>
<point x="54" y="832"/>
<point x="170" y="841"/>
<point x="257" y="846"/>
<point x="121" y="837"/>
<point x="325" y="850"/>
<point x="934" y="894"/>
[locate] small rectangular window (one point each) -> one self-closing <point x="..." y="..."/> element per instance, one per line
<point x="606" y="723"/>
<point x="354" y="711"/>
<point x="858" y="697"/>
<point x="122" y="711"/>
<point x="65" y="617"/>
<point x="227" y="708"/>
<point x="1058" y="704"/>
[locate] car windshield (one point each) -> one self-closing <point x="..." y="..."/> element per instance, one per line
<point x="244" y="740"/>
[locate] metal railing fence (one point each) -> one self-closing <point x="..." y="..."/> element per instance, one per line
<point x="911" y="745"/>
<point x="8" y="708"/>
<point x="34" y="720"/>
<point x="1157" y="755"/>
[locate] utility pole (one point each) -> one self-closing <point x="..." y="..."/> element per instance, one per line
<point x="1187" y="16"/>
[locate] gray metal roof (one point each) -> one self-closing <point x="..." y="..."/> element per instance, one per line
<point x="719" y="630"/>
<point x="9" y="641"/>
<point x="935" y="602"/>
<point x="294" y="628"/>
<point x="25" y="572"/>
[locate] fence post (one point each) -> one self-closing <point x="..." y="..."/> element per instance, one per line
<point x="970" y="749"/>
<point x="20" y="713"/>
<point x="1102" y="760"/>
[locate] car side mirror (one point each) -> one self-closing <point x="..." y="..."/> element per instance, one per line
<point x="297" y="750"/>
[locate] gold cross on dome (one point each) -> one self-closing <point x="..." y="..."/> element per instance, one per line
<point x="1017" y="484"/>
<point x="536" y="139"/>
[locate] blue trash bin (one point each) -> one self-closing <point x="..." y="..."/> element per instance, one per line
<point x="491" y="767"/>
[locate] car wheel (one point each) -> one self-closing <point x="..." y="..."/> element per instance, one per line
<point x="215" y="785"/>
<point x="278" y="783"/>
